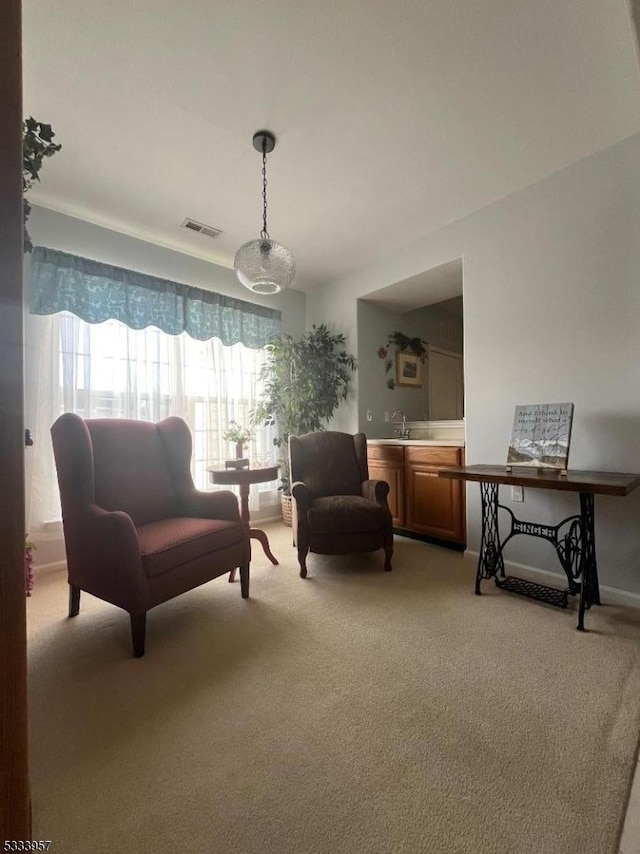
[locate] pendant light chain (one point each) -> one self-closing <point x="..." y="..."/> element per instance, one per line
<point x="264" y="234"/>
<point x="264" y="266"/>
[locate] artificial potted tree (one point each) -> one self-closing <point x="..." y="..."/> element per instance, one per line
<point x="302" y="384"/>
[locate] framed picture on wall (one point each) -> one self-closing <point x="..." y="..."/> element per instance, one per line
<point x="408" y="369"/>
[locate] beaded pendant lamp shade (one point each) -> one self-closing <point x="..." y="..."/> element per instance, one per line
<point x="264" y="266"/>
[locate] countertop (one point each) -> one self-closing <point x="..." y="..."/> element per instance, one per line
<point x="419" y="443"/>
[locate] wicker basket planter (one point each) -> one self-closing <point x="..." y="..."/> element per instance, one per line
<point x="286" y="502"/>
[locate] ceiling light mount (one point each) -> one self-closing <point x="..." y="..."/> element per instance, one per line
<point x="264" y="266"/>
<point x="264" y="141"/>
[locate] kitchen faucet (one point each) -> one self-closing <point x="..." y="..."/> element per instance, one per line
<point x="404" y="433"/>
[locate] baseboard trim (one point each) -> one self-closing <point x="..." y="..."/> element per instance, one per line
<point x="610" y="595"/>
<point x="434" y="541"/>
<point x="256" y="520"/>
<point x="55" y="566"/>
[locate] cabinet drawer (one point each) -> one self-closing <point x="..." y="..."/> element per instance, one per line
<point x="387" y="453"/>
<point x="432" y="456"/>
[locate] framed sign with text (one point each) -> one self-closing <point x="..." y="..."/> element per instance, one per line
<point x="541" y="435"/>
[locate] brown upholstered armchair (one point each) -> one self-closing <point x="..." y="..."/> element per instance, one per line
<point x="336" y="508"/>
<point x="137" y="531"/>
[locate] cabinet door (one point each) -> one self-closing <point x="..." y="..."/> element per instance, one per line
<point x="435" y="506"/>
<point x="386" y="462"/>
<point x="392" y="473"/>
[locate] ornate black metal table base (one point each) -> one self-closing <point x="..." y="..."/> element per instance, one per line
<point x="573" y="540"/>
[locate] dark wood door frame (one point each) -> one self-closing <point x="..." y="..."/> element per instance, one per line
<point x="15" y="821"/>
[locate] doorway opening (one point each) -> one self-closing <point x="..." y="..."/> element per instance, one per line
<point x="428" y="306"/>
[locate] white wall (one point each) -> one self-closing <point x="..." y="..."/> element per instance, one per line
<point x="552" y="313"/>
<point x="375" y="324"/>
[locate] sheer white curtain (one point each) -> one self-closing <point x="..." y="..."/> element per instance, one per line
<point x="107" y="370"/>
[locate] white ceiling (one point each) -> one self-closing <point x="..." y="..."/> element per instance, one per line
<point x="392" y="117"/>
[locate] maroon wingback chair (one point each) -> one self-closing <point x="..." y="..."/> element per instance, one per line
<point x="336" y="508"/>
<point x="137" y="531"/>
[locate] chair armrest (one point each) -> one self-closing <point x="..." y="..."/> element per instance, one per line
<point x="222" y="504"/>
<point x="375" y="490"/>
<point x="302" y="496"/>
<point x="103" y="558"/>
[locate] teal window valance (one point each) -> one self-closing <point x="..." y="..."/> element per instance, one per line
<point x="97" y="292"/>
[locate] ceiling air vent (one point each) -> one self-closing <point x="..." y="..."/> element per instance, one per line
<point x="201" y="228"/>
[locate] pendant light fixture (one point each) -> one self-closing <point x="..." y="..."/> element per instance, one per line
<point x="264" y="266"/>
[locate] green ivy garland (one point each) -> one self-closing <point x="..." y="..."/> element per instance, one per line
<point x="37" y="143"/>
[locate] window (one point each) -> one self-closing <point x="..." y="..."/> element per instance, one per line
<point x="108" y="370"/>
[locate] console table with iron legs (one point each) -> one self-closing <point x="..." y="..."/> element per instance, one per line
<point x="573" y="538"/>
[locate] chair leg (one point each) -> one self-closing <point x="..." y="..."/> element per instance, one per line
<point x="74" y="600"/>
<point x="244" y="580"/>
<point x="302" y="560"/>
<point x="138" y="627"/>
<point x="388" y="552"/>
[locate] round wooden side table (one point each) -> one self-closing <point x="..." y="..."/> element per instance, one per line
<point x="244" y="478"/>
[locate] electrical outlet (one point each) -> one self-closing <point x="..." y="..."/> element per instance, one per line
<point x="517" y="493"/>
<point x="369" y="415"/>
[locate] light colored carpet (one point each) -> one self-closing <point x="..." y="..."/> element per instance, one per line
<point x="357" y="711"/>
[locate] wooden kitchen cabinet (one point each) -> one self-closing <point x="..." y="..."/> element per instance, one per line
<point x="421" y="503"/>
<point x="432" y="506"/>
<point x="386" y="462"/>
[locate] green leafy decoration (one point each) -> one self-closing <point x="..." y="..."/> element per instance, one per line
<point x="403" y="342"/>
<point x="303" y="382"/>
<point x="37" y="143"/>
